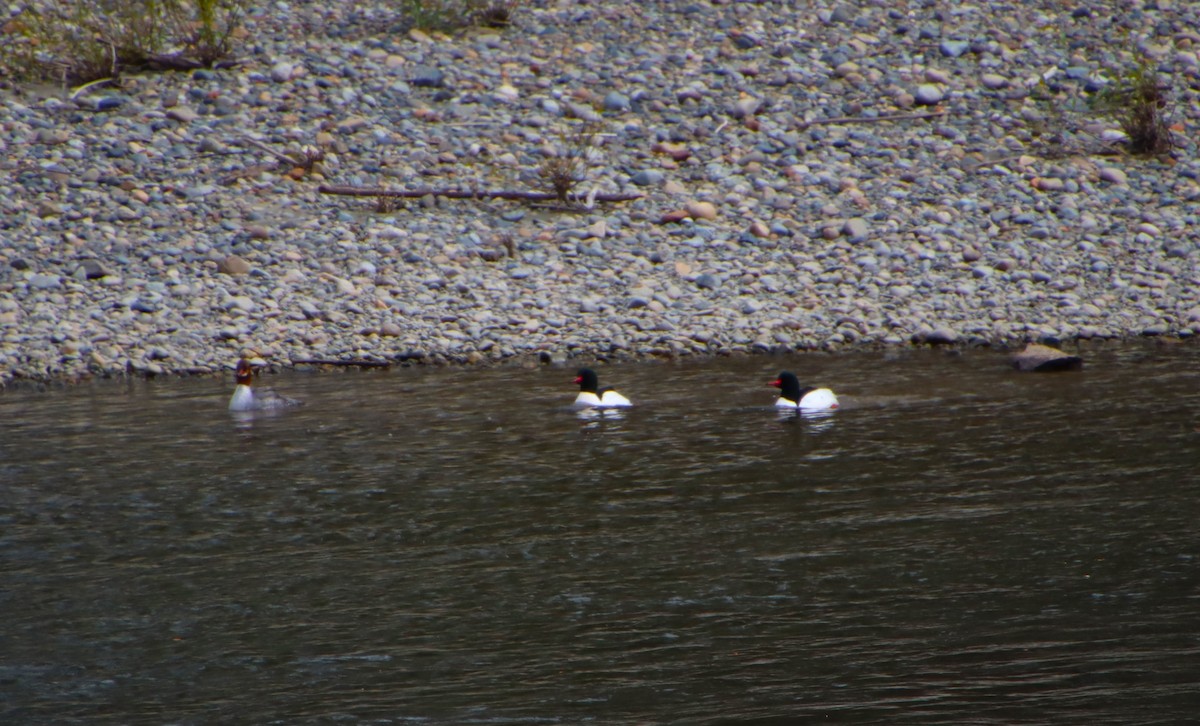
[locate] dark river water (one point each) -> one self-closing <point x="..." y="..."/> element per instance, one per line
<point x="959" y="544"/>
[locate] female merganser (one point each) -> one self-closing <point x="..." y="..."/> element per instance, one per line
<point x="592" y="396"/>
<point x="791" y="395"/>
<point x="243" y="398"/>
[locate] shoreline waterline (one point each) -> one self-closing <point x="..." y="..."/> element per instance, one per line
<point x="1004" y="353"/>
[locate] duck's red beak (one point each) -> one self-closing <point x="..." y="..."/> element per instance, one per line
<point x="578" y="379"/>
<point x="777" y="383"/>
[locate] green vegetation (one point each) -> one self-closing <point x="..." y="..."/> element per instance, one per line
<point x="79" y="42"/>
<point x="1139" y="101"/>
<point x="214" y="25"/>
<point x="450" y="15"/>
<point x="567" y="168"/>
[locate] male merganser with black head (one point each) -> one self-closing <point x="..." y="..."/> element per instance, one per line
<point x="243" y="398"/>
<point x="592" y="396"/>
<point x="791" y="395"/>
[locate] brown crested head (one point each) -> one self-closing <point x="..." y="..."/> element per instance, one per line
<point x="244" y="373"/>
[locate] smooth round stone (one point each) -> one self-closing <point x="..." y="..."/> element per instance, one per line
<point x="937" y="75"/>
<point x="744" y="107"/>
<point x="701" y="210"/>
<point x="647" y="177"/>
<point x="282" y="72"/>
<point x="846" y="69"/>
<point x="928" y="94"/>
<point x="428" y="77"/>
<point x="842" y="13"/>
<point x="233" y="265"/>
<point x="941" y="336"/>
<point x="856" y="229"/>
<point x="993" y="81"/>
<point x="45" y="282"/>
<point x="616" y="102"/>
<point x="954" y="48"/>
<point x="241" y="302"/>
<point x="1113" y="175"/>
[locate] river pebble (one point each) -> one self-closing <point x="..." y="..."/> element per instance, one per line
<point x="143" y="231"/>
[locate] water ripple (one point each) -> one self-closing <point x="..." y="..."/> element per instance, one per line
<point x="959" y="544"/>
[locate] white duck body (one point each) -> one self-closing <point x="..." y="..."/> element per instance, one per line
<point x="792" y="396"/>
<point x="244" y="398"/>
<point x="611" y="399"/>
<point x="591" y="396"/>
<point x="587" y="399"/>
<point x="818" y="399"/>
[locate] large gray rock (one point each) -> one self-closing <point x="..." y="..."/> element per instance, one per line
<point x="1040" y="358"/>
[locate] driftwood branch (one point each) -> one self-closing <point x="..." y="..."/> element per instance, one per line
<point x="870" y="119"/>
<point x="94" y="84"/>
<point x="472" y="194"/>
<point x="304" y="160"/>
<point x="249" y="172"/>
<point x="263" y="147"/>
<point x="181" y="62"/>
<point x="172" y="62"/>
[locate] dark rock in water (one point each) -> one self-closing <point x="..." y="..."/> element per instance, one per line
<point x="1039" y="358"/>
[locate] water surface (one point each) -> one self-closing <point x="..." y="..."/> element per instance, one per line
<point x="959" y="544"/>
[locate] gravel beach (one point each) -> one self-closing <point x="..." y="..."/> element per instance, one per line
<point x="973" y="198"/>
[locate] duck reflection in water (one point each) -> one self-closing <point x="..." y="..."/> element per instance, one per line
<point x="601" y="418"/>
<point x="814" y="422"/>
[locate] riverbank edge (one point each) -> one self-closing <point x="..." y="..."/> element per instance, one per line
<point x="1078" y="345"/>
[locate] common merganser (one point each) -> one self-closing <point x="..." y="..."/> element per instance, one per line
<point x="592" y="396"/>
<point x="243" y="398"/>
<point x="791" y="395"/>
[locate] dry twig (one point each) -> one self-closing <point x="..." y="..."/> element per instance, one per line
<point x="870" y="119"/>
<point x="350" y="191"/>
